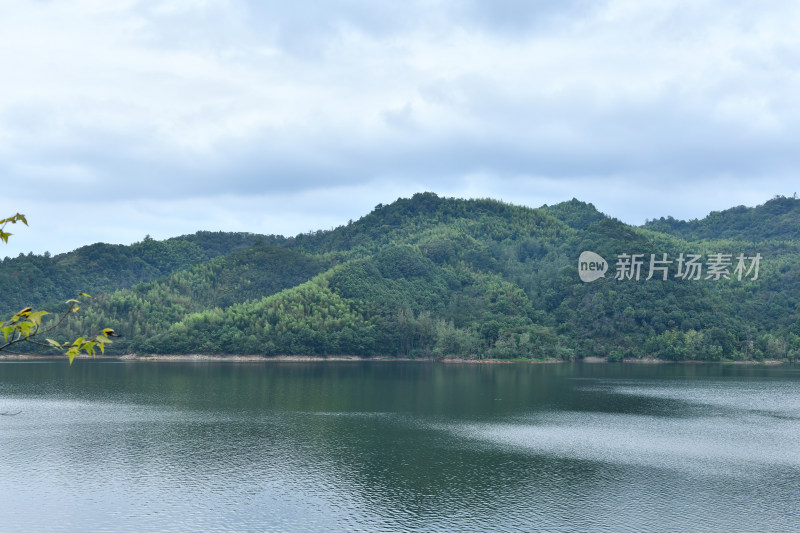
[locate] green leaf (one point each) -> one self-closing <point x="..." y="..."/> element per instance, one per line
<point x="16" y="218"/>
<point x="36" y="317"/>
<point x="25" y="328"/>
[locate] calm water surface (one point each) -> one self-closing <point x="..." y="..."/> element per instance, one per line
<point x="397" y="446"/>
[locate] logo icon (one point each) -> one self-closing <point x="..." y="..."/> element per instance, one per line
<point x="591" y="266"/>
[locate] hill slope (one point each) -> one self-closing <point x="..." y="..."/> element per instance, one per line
<point x="41" y="279"/>
<point x="776" y="219"/>
<point x="432" y="276"/>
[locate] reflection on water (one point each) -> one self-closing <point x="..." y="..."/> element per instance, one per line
<point x="703" y="445"/>
<point x="108" y="446"/>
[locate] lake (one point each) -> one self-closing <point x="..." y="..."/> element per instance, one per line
<point x="398" y="446"/>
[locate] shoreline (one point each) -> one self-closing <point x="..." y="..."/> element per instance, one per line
<point x="197" y="358"/>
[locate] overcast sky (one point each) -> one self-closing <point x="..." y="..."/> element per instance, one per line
<point x="124" y="118"/>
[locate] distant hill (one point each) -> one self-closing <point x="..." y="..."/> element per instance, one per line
<point x="776" y="219"/>
<point x="429" y="276"/>
<point x="42" y="279"/>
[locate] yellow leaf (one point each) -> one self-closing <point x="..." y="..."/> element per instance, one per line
<point x="24" y="312"/>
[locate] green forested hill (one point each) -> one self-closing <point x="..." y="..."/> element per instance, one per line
<point x="437" y="277"/>
<point x="776" y="219"/>
<point x="43" y="279"/>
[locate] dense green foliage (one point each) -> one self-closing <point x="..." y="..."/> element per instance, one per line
<point x="436" y="277"/>
<point x="30" y="327"/>
<point x="41" y="279"/>
<point x="777" y="219"/>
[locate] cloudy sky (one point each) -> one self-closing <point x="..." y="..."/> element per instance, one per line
<point x="127" y="118"/>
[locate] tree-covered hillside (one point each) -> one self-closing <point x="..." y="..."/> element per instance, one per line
<point x="776" y="219"/>
<point x="43" y="279"/>
<point x="437" y="277"/>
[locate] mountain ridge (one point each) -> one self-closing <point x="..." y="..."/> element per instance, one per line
<point x="745" y="223"/>
<point x="428" y="276"/>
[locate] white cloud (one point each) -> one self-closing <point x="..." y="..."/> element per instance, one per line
<point x="202" y="106"/>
